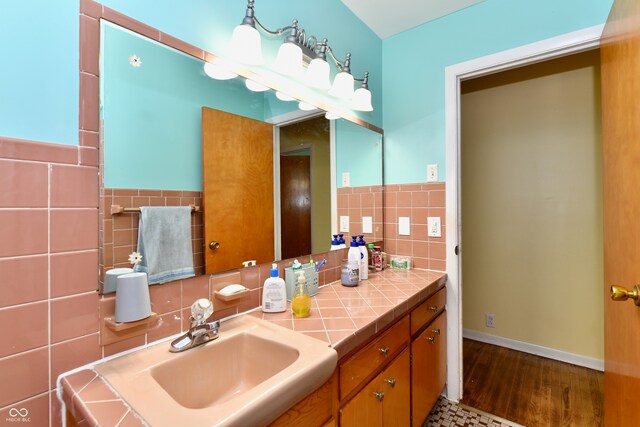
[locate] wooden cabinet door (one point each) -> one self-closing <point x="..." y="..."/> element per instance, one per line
<point x="385" y="401"/>
<point x="365" y="409"/>
<point x="428" y="368"/>
<point x="395" y="383"/>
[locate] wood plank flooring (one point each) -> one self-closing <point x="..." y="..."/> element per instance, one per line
<point x="531" y="390"/>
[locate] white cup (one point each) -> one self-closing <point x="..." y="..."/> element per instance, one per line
<point x="132" y="297"/>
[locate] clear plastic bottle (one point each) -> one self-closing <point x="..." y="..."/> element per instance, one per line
<point x="301" y="301"/>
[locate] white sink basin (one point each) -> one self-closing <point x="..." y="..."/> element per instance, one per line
<point x="249" y="376"/>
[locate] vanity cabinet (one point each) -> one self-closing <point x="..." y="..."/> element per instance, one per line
<point x="384" y="401"/>
<point x="428" y="356"/>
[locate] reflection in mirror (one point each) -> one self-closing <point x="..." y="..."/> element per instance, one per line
<point x="150" y="103"/>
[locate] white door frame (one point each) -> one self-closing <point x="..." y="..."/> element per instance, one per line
<point x="566" y="44"/>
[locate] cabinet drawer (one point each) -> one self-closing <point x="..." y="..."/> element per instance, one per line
<point x="372" y="357"/>
<point x="426" y="311"/>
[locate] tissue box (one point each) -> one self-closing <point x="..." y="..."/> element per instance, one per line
<point x="291" y="279"/>
<point x="401" y="262"/>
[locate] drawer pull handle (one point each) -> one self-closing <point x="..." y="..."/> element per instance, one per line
<point x="433" y="308"/>
<point x="379" y="395"/>
<point x="436" y="331"/>
<point x="384" y="351"/>
<point x="391" y="382"/>
<point x="432" y="340"/>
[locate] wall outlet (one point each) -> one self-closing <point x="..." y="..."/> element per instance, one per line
<point x="490" y="320"/>
<point x="432" y="173"/>
<point x="433" y="227"/>
<point x="346" y="179"/>
<point x="344" y="224"/>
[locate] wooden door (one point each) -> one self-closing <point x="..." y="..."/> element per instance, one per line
<point x="295" y="205"/>
<point x="365" y="409"/>
<point x="620" y="63"/>
<point x="396" y="384"/>
<point x="429" y="368"/>
<point x="237" y="189"/>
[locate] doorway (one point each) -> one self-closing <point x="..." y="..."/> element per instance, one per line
<point x="531" y="202"/>
<point x="305" y="186"/>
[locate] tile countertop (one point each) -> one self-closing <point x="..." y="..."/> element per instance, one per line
<point x="343" y="317"/>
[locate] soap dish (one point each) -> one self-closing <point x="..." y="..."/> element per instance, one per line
<point x="231" y="293"/>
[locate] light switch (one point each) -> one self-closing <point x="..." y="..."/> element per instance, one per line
<point x="433" y="226"/>
<point x="404" y="226"/>
<point x="367" y="224"/>
<point x="344" y="224"/>
<point x="432" y="173"/>
<point x="346" y="179"/>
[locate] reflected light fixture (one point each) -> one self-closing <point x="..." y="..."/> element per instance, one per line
<point x="255" y="86"/>
<point x="305" y="106"/>
<point x="297" y="51"/>
<point x="330" y="115"/>
<point x="284" y="97"/>
<point x="218" y="71"/>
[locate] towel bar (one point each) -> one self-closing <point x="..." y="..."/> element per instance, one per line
<point x="117" y="209"/>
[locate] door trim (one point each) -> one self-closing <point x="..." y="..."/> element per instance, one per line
<point x="555" y="47"/>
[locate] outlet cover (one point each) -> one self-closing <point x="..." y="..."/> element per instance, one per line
<point x="432" y="173"/>
<point x="346" y="179"/>
<point x="490" y="320"/>
<point x="404" y="226"/>
<point x="367" y="224"/>
<point x="433" y="226"/>
<point x="344" y="224"/>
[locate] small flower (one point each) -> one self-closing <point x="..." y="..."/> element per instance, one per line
<point x="135" y="61"/>
<point x="135" y="258"/>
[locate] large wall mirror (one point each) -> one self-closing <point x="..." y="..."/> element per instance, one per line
<point x="151" y="100"/>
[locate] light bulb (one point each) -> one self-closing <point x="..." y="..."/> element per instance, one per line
<point x="289" y="60"/>
<point x="318" y="74"/>
<point x="342" y="86"/>
<point x="217" y="71"/>
<point x="246" y="46"/>
<point x="255" y="86"/>
<point x="361" y="100"/>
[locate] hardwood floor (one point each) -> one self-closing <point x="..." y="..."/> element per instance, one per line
<point x="531" y="390"/>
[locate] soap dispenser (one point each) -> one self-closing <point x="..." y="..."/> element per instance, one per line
<point x="301" y="301"/>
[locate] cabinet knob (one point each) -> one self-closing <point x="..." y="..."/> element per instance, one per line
<point x="384" y="351"/>
<point x="436" y="331"/>
<point x="379" y="395"/>
<point x="433" y="308"/>
<point x="432" y="339"/>
<point x="213" y="245"/>
<point x="390" y="381"/>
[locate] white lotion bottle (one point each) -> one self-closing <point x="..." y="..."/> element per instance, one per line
<point x="364" y="258"/>
<point x="353" y="262"/>
<point x="274" y="293"/>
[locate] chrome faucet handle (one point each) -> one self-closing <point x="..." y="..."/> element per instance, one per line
<point x="201" y="310"/>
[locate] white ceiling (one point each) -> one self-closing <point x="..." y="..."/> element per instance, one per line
<point x="389" y="17"/>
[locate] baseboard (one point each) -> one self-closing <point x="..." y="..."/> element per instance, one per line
<point x="538" y="350"/>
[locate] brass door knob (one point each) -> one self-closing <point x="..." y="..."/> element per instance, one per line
<point x="619" y="293"/>
<point x="213" y="245"/>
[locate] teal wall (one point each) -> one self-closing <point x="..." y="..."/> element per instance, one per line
<point x="359" y="152"/>
<point x="152" y="113"/>
<point x="39" y="71"/>
<point x="414" y="63"/>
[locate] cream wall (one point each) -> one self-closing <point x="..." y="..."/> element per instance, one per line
<point x="532" y="205"/>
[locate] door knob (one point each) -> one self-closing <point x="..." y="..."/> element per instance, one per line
<point x="619" y="293"/>
<point x="213" y="245"/>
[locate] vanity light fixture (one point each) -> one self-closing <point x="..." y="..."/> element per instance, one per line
<point x="304" y="106"/>
<point x="297" y="51"/>
<point x="255" y="86"/>
<point x="330" y="115"/>
<point x="284" y="97"/>
<point x="218" y="71"/>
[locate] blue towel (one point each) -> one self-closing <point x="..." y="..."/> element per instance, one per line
<point x="164" y="241"/>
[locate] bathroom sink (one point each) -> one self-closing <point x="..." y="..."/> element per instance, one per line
<point x="249" y="376"/>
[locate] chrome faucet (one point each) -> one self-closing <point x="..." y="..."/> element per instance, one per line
<point x="201" y="331"/>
